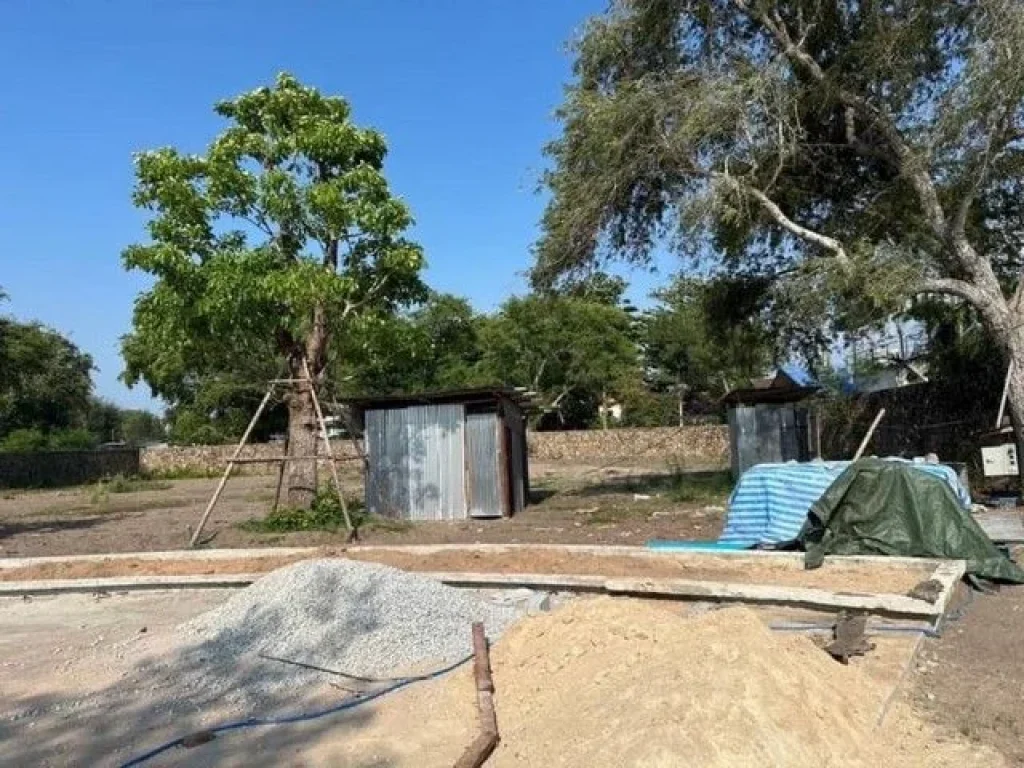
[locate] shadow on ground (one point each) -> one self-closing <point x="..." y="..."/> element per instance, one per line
<point x="167" y="695"/>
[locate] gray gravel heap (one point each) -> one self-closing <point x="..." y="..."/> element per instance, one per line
<point x="358" y="618"/>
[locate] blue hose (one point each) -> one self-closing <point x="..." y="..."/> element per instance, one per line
<point x="253" y="722"/>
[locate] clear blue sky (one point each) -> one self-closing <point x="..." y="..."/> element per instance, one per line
<point x="464" y="91"/>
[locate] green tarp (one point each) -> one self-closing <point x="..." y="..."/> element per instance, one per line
<point x="881" y="507"/>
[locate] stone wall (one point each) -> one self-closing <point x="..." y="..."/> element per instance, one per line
<point x="211" y="459"/>
<point x="697" y="446"/>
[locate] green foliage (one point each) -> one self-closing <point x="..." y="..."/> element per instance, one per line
<point x="565" y="349"/>
<point x="323" y="515"/>
<point x="694" y="348"/>
<point x="434" y="346"/>
<point x="24" y="441"/>
<point x="44" y="379"/>
<point x="72" y="440"/>
<point x="276" y="239"/>
<point x="825" y="148"/>
<point x="141" y="427"/>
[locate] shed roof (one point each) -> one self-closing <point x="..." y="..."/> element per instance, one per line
<point x="466" y="396"/>
<point x="785" y="385"/>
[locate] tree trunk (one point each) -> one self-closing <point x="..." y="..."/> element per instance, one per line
<point x="301" y="476"/>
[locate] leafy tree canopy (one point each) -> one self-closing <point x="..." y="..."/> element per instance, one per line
<point x="860" y="151"/>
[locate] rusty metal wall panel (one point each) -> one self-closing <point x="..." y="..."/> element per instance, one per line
<point x="482" y="482"/>
<point x="434" y="436"/>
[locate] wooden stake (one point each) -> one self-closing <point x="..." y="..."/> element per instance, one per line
<point x="327" y="450"/>
<point x="280" y="479"/>
<point x="483" y="745"/>
<point x="231" y="465"/>
<point x="867" y="437"/>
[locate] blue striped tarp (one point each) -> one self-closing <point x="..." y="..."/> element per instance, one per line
<point x="771" y="501"/>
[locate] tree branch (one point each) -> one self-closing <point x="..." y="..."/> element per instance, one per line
<point x="991" y="306"/>
<point x="775" y="212"/>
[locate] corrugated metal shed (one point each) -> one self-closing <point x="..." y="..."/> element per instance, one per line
<point x="431" y="457"/>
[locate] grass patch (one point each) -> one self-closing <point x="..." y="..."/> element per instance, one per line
<point x="324" y="515"/>
<point x="690" y="487"/>
<point x="123" y="484"/>
<point x="184" y="473"/>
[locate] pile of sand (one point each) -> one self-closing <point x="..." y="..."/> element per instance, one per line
<point x="609" y="682"/>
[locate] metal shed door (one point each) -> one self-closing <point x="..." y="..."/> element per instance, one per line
<point x="483" y="486"/>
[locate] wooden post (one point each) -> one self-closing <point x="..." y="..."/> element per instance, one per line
<point x="327" y="450"/>
<point x="867" y="437"/>
<point x="483" y="745"/>
<point x="280" y="479"/>
<point x="231" y="465"/>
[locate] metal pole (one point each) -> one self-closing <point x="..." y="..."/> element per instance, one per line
<point x="1002" y="400"/>
<point x="230" y="467"/>
<point x="327" y="449"/>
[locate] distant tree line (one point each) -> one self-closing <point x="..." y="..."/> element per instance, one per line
<point x="46" y="396"/>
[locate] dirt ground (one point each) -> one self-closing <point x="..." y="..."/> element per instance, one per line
<point x="968" y="682"/>
<point x="572" y="504"/>
<point x="971" y="680"/>
<point x="55" y="651"/>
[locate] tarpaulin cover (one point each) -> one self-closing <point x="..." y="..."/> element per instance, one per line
<point x="770" y="503"/>
<point x="878" y="507"/>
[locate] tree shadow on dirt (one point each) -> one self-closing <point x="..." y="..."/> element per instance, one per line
<point x="695" y="486"/>
<point x="9" y="529"/>
<point x="199" y="686"/>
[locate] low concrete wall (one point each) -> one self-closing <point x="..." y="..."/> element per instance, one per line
<point x="698" y="446"/>
<point x="56" y="468"/>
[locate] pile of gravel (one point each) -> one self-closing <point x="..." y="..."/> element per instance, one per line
<point x="359" y="618"/>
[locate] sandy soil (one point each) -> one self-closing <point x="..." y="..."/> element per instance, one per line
<point x="573" y="504"/>
<point x="55" y="650"/>
<point x="835" y="576"/>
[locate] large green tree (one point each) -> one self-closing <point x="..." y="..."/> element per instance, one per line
<point x="434" y="346"/>
<point x="690" y="347"/>
<point x="279" y="237"/>
<point x="854" y="153"/>
<point x="566" y="349"/>
<point x="45" y="380"/>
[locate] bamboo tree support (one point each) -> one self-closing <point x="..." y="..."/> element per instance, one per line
<point x="230" y="467"/>
<point x="280" y="478"/>
<point x="330" y="455"/>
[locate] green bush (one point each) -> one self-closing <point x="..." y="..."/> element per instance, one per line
<point x="324" y="515"/>
<point x="24" y="441"/>
<point x="71" y="440"/>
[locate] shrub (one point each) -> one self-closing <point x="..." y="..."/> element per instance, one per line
<point x="23" y="441"/>
<point x="323" y="515"/>
<point x="71" y="440"/>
